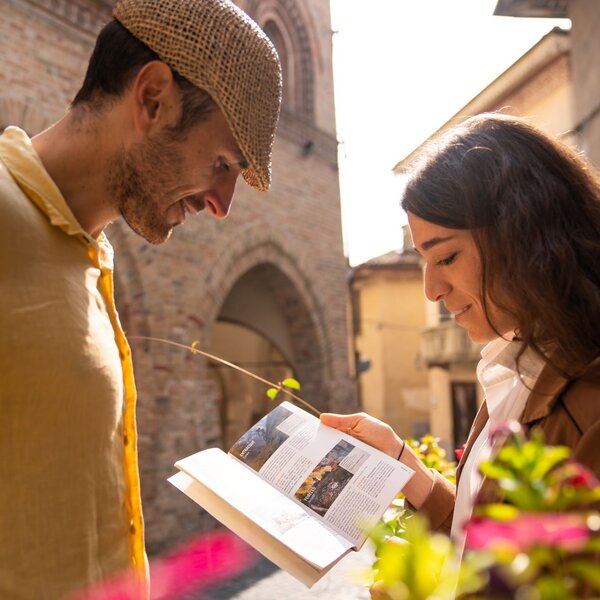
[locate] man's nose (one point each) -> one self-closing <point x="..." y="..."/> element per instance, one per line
<point x="219" y="203"/>
<point x="436" y="286"/>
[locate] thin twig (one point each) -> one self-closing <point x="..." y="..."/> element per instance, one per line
<point x="222" y="361"/>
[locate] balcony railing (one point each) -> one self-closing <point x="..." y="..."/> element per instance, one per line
<point x="447" y="344"/>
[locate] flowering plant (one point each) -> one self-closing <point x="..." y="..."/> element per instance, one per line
<point x="544" y="537"/>
<point x="433" y="456"/>
<point x="540" y="541"/>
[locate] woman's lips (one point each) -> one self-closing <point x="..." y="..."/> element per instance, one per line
<point x="458" y="314"/>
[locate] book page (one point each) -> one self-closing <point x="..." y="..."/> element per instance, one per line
<point x="272" y="511"/>
<point x="343" y="481"/>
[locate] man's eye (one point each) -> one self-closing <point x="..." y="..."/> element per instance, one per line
<point x="448" y="260"/>
<point x="223" y="165"/>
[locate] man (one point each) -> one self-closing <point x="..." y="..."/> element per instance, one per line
<point x="180" y="97"/>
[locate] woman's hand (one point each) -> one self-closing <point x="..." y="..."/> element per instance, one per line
<point x="380" y="435"/>
<point x="367" y="429"/>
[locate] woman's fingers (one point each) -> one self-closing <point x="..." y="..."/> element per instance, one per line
<point x="368" y="429"/>
<point x="345" y="422"/>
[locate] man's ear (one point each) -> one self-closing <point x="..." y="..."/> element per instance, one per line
<point x="154" y="97"/>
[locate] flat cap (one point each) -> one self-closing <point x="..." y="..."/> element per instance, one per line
<point x="220" y="49"/>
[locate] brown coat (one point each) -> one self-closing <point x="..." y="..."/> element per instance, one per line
<point x="567" y="411"/>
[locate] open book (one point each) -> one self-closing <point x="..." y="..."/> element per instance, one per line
<point x="301" y="493"/>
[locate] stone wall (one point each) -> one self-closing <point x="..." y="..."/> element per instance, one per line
<point x="290" y="236"/>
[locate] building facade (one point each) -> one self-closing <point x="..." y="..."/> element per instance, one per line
<point x="266" y="288"/>
<point x="584" y="60"/>
<point x="389" y="316"/>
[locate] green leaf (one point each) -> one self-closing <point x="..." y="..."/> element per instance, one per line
<point x="291" y="383"/>
<point x="495" y="471"/>
<point x="551" y="587"/>
<point x="588" y="571"/>
<point x="499" y="512"/>
<point x="593" y="545"/>
<point x="272" y="393"/>
<point x="551" y="457"/>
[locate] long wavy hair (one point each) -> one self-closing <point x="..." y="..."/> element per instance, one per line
<point x="532" y="205"/>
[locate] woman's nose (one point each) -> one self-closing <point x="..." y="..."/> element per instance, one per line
<point x="436" y="286"/>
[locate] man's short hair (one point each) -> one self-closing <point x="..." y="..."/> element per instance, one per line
<point x="117" y="58"/>
<point x="216" y="47"/>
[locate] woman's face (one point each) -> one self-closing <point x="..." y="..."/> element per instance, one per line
<point x="453" y="275"/>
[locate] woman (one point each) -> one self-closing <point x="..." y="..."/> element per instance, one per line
<point x="507" y="221"/>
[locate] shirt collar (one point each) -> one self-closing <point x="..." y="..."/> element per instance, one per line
<point x="503" y="352"/>
<point x="26" y="167"/>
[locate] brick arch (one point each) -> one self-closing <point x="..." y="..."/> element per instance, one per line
<point x="302" y="52"/>
<point x="23" y="113"/>
<point x="261" y="253"/>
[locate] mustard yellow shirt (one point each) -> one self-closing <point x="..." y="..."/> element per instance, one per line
<point x="70" y="511"/>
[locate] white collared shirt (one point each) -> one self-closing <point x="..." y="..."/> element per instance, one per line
<point x="506" y="391"/>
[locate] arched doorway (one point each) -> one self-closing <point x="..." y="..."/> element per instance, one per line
<point x="242" y="400"/>
<point x="264" y="326"/>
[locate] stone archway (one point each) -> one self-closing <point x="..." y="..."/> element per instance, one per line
<point x="262" y="255"/>
<point x="265" y="326"/>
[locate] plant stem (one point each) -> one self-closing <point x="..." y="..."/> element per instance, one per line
<point x="222" y="361"/>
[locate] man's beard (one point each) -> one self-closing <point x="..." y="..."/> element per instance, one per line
<point x="138" y="179"/>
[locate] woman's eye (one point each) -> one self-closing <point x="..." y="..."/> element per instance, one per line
<point x="448" y="260"/>
<point x="223" y="165"/>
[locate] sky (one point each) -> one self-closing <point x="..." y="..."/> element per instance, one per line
<point x="402" y="68"/>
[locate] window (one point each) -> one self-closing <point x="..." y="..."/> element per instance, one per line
<point x="464" y="408"/>
<point x="275" y="35"/>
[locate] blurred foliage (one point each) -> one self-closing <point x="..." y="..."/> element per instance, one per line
<point x="539" y="541"/>
<point x="433" y="456"/>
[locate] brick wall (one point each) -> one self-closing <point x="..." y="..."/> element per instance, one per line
<point x="175" y="291"/>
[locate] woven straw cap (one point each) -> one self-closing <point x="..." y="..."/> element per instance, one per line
<point x="217" y="47"/>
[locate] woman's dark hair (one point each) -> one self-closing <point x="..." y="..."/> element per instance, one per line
<point x="533" y="207"/>
<point x="117" y="58"/>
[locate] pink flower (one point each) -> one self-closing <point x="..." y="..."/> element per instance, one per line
<point x="579" y="476"/>
<point x="565" y="531"/>
<point x="203" y="561"/>
<point x="459" y="452"/>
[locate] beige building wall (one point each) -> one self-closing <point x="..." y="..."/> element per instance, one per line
<point x="391" y="317"/>
<point x="546" y="97"/>
<point x="585" y="60"/>
<point x="440" y="381"/>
